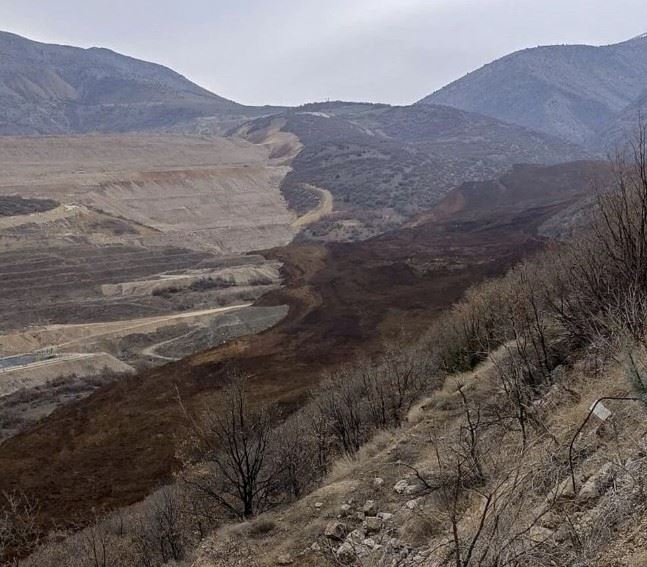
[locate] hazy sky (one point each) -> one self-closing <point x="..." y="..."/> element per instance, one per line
<point x="293" y="51"/>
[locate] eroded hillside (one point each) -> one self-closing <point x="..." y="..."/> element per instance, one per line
<point x="345" y="300"/>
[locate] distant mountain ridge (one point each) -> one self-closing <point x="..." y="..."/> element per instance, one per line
<point x="576" y="92"/>
<point x="53" y="89"/>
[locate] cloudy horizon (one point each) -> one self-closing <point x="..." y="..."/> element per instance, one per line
<point x="289" y="52"/>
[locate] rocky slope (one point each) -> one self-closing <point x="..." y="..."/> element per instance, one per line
<point x="392" y="504"/>
<point x="48" y="89"/>
<point x="571" y="91"/>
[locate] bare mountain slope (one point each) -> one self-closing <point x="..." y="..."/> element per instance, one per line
<point x="572" y="91"/>
<point x="48" y="89"/>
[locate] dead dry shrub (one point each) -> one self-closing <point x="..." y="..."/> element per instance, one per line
<point x="260" y="528"/>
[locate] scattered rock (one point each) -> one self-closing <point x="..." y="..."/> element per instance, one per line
<point x="370" y="543"/>
<point x="370" y="508"/>
<point x="378" y="482"/>
<point x="346" y="553"/>
<point x="550" y="520"/>
<point x="412" y="489"/>
<point x="401" y="486"/>
<point x="345" y="509"/>
<point x="315" y="547"/>
<point x="373" y="524"/>
<point x="356" y="536"/>
<point x="335" y="530"/>
<point x="563" y="490"/>
<point x="412" y="504"/>
<point x="598" y="483"/>
<point x="385" y="516"/>
<point x="318" y="505"/>
<point x="537" y="534"/>
<point x="285" y="559"/>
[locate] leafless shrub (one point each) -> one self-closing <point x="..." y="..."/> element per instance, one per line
<point x="159" y="534"/>
<point x="496" y="523"/>
<point x="298" y="455"/>
<point x="19" y="531"/>
<point x="237" y="472"/>
<point x="602" y="280"/>
<point x="340" y="402"/>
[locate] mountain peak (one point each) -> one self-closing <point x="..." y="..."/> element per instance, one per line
<point x="51" y="89"/>
<point x="572" y="92"/>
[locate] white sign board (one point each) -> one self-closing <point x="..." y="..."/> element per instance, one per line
<point x="600" y="411"/>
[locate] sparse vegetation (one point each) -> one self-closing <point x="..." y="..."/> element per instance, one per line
<point x="16" y="205"/>
<point x="490" y="461"/>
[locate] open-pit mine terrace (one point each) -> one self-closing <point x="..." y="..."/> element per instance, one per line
<point x="125" y="251"/>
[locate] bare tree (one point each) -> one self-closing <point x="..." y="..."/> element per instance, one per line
<point x="19" y="530"/>
<point x="470" y="435"/>
<point x="603" y="276"/>
<point x="296" y="455"/>
<point x="342" y="402"/>
<point x="237" y="439"/>
<point x="160" y="536"/>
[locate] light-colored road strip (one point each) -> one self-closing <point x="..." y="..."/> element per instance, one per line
<point x="323" y="209"/>
<point x="127" y="328"/>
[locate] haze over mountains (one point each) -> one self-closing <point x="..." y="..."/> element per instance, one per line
<point x="577" y="92"/>
<point x="582" y="94"/>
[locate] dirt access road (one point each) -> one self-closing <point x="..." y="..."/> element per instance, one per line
<point x="324" y="208"/>
<point x="64" y="337"/>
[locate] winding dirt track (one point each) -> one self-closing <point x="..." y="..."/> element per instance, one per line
<point x="64" y="337"/>
<point x="324" y="208"/>
<point x="152" y="350"/>
<point x="138" y="324"/>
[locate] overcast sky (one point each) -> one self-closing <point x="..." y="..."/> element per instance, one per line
<point x="294" y="51"/>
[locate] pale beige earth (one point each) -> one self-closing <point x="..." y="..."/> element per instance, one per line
<point x="65" y="338"/>
<point x="217" y="194"/>
<point x="244" y="276"/>
<point x="162" y="193"/>
<point x="146" y="256"/>
<point x="71" y="364"/>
